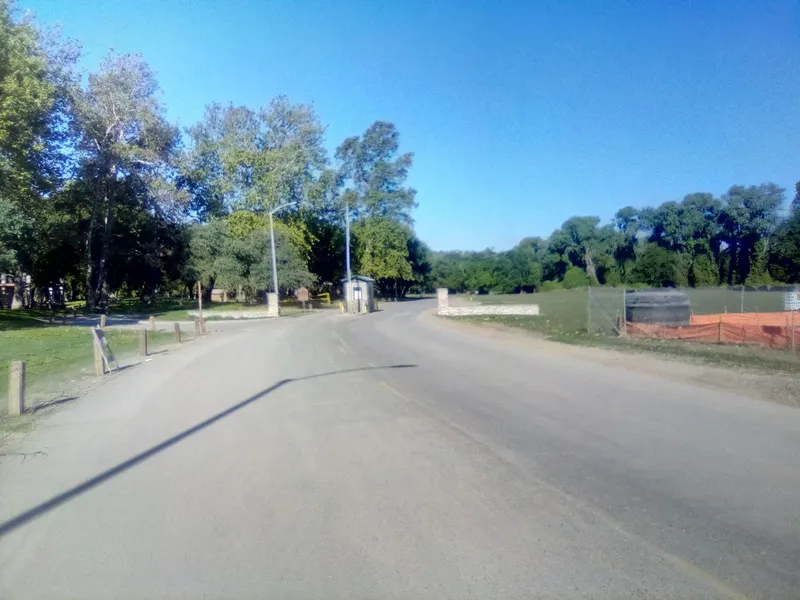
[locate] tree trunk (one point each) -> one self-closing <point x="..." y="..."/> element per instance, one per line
<point x="91" y="300"/>
<point x="733" y="258"/>
<point x="591" y="272"/>
<point x="105" y="248"/>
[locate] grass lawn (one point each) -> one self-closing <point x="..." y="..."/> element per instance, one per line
<point x="563" y="319"/>
<point x="54" y="353"/>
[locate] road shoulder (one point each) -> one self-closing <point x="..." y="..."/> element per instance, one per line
<point x="779" y="388"/>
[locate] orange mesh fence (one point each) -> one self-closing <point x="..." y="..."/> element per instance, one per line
<point x="726" y="330"/>
<point x="784" y="319"/>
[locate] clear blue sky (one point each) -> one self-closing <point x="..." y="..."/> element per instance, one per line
<point x="520" y="113"/>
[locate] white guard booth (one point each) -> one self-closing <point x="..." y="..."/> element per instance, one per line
<point x="361" y="294"/>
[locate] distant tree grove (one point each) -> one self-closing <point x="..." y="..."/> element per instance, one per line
<point x="101" y="193"/>
<point x="744" y="237"/>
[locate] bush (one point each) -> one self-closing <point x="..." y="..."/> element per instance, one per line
<point x="574" y="277"/>
<point x="549" y="286"/>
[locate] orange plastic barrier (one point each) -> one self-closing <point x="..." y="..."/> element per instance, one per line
<point x="774" y="318"/>
<point x="725" y="330"/>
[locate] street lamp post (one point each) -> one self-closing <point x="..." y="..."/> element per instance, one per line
<point x="272" y="244"/>
<point x="349" y="284"/>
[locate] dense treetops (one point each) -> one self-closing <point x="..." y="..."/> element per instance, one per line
<point x="98" y="190"/>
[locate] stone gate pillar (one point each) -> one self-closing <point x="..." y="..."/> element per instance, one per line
<point x="272" y="305"/>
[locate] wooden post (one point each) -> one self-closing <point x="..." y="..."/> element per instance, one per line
<point x="64" y="318"/>
<point x="152" y="323"/>
<point x="103" y="321"/>
<point x="16" y="388"/>
<point x="177" y="327"/>
<point x="794" y="346"/>
<point x="719" y="330"/>
<point x="99" y="364"/>
<point x="143" y="342"/>
<point x="197" y="331"/>
<point x="200" y="300"/>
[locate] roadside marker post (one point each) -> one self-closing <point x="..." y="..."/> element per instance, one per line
<point x="16" y="388"/>
<point x="143" y="342"/>
<point x="177" y="329"/>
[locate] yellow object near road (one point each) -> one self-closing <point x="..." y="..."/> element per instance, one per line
<point x="326" y="297"/>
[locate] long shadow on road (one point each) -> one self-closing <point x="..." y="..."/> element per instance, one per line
<point x="56" y="501"/>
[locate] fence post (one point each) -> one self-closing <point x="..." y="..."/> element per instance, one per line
<point x="103" y="321"/>
<point x="197" y="327"/>
<point x="794" y="347"/>
<point x="719" y="330"/>
<point x="152" y="323"/>
<point x="143" y="342"/>
<point x="624" y="312"/>
<point x="16" y="388"/>
<point x="589" y="309"/>
<point x="742" y="300"/>
<point x="177" y="327"/>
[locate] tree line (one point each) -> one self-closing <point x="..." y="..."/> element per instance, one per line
<point x="743" y="237"/>
<point x="99" y="192"/>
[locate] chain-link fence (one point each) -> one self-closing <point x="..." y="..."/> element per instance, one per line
<point x="767" y="316"/>
<point x="605" y="310"/>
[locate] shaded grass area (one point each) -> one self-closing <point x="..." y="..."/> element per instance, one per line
<point x="55" y="354"/>
<point x="563" y="319"/>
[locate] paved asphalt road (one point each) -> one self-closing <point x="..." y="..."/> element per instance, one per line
<point x="389" y="456"/>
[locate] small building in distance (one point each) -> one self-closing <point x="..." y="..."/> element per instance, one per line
<point x="360" y="292"/>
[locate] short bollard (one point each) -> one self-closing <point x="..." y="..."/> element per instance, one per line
<point x="103" y="320"/>
<point x="197" y="327"/>
<point x="16" y="388"/>
<point x="177" y="327"/>
<point x="143" y="342"/>
<point x="152" y="323"/>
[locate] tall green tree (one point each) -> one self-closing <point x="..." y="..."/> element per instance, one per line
<point x="748" y="215"/>
<point x="375" y="174"/>
<point x="127" y="147"/>
<point x="36" y="73"/>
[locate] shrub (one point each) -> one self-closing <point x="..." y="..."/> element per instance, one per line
<point x="549" y="286"/>
<point x="574" y="277"/>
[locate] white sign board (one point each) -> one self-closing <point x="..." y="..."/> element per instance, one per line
<point x="791" y="300"/>
<point x="105" y="350"/>
<point x="357" y="293"/>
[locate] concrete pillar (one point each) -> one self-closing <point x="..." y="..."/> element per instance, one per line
<point x="177" y="330"/>
<point x="16" y="388"/>
<point x="143" y="342"/>
<point x="442" y="297"/>
<point x="152" y="323"/>
<point x="103" y="321"/>
<point x="272" y="305"/>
